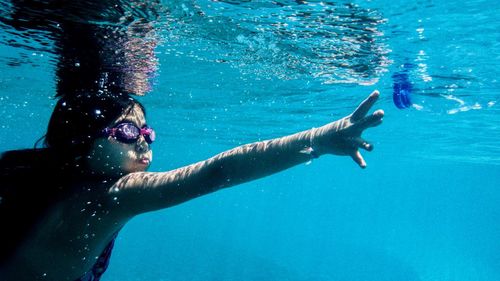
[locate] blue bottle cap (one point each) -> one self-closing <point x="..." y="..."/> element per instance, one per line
<point x="401" y="90"/>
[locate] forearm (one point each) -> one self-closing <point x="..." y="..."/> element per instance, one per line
<point x="260" y="159"/>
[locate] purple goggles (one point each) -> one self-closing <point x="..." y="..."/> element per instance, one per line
<point x="129" y="133"/>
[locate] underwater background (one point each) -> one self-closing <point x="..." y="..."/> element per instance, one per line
<point x="226" y="73"/>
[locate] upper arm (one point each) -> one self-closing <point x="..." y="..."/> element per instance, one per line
<point x="149" y="191"/>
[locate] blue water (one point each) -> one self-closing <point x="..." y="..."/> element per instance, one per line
<point x="426" y="208"/>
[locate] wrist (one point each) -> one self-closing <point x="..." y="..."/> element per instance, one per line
<point x="309" y="146"/>
<point x="324" y="140"/>
<point x="315" y="152"/>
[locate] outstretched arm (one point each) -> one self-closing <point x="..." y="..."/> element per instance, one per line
<point x="145" y="191"/>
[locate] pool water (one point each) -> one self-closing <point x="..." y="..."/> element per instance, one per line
<point x="225" y="73"/>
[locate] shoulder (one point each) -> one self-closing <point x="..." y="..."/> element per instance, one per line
<point x="27" y="160"/>
<point x="25" y="194"/>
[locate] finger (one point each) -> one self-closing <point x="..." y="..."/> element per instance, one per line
<point x="356" y="156"/>
<point x="359" y="142"/>
<point x="364" y="106"/>
<point x="370" y="121"/>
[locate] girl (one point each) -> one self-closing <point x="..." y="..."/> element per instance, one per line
<point x="62" y="206"/>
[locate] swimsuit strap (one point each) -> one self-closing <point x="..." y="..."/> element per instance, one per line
<point x="101" y="264"/>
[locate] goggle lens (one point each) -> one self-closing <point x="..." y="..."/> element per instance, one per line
<point x="129" y="133"/>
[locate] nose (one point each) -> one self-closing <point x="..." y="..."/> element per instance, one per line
<point x="141" y="145"/>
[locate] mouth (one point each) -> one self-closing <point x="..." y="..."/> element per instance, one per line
<point x="144" y="161"/>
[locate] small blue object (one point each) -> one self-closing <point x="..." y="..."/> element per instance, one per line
<point x="402" y="88"/>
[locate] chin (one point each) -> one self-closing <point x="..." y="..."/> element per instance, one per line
<point x="139" y="168"/>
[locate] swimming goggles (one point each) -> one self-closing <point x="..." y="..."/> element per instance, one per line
<point x="129" y="133"/>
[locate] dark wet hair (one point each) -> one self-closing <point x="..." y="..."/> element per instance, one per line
<point x="73" y="127"/>
<point x="78" y="120"/>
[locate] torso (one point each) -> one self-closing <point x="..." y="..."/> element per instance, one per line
<point x="69" y="238"/>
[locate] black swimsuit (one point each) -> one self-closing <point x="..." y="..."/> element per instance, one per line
<point x="100" y="265"/>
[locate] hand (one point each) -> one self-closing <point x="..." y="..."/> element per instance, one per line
<point x="343" y="137"/>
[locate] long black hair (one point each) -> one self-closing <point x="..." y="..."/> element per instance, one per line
<point x="32" y="180"/>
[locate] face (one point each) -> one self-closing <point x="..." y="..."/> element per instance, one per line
<point x="110" y="156"/>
